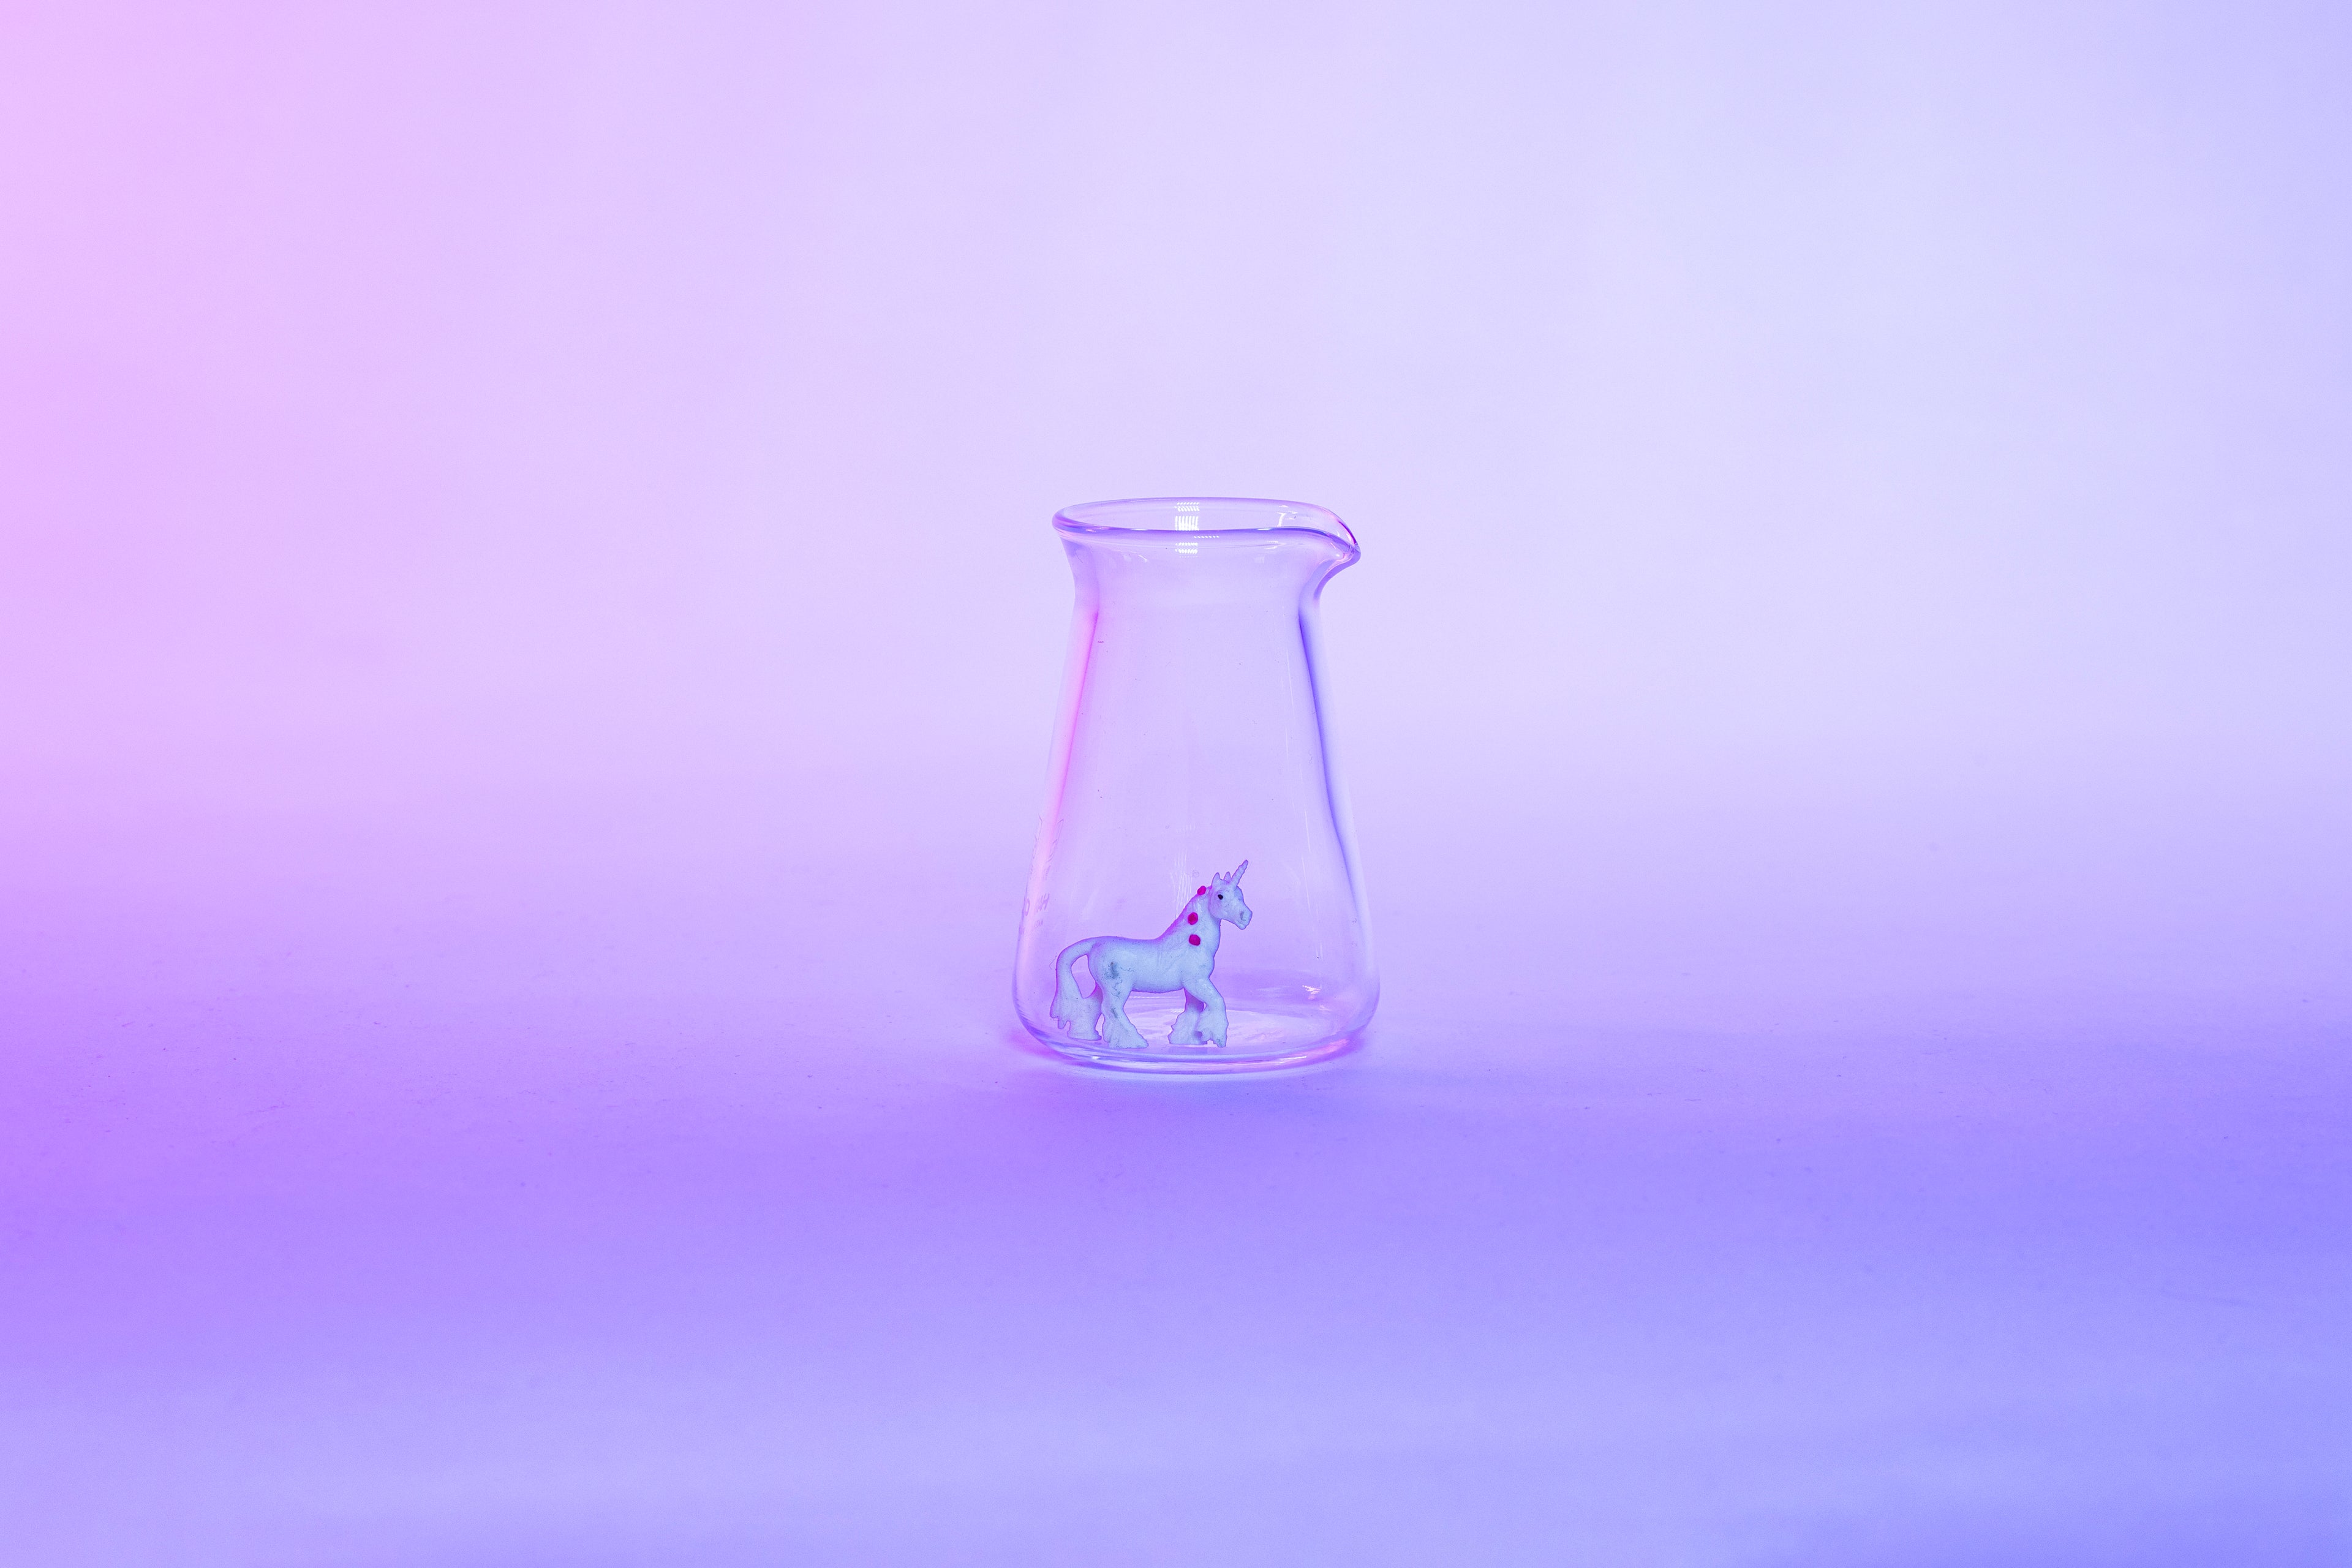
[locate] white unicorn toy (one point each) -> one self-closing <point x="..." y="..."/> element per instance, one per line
<point x="1179" y="959"/>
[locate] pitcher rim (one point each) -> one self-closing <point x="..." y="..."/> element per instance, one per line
<point x="1091" y="518"/>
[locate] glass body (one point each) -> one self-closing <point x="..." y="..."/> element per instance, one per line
<point x="1193" y="737"/>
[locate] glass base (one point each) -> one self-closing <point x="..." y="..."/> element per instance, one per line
<point x="1257" y="1039"/>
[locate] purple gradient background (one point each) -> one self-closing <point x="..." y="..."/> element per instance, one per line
<point x="526" y="574"/>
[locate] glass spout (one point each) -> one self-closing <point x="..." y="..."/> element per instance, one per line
<point x="1208" y="514"/>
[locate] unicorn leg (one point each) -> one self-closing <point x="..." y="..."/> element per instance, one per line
<point x="1186" y="1030"/>
<point x="1209" y="1028"/>
<point x="1117" y="1028"/>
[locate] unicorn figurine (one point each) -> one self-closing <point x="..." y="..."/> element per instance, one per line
<point x="1179" y="959"/>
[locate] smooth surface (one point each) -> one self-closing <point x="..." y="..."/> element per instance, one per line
<point x="616" y="1239"/>
<point x="650" y="1294"/>
<point x="523" y="580"/>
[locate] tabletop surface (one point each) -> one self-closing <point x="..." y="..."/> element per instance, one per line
<point x="332" y="1240"/>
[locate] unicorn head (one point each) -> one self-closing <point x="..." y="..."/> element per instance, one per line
<point x="1226" y="897"/>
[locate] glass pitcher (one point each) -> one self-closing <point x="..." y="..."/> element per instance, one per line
<point x="1195" y="905"/>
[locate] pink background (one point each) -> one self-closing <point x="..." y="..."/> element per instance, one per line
<point x="524" y="577"/>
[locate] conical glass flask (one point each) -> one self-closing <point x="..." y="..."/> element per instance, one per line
<point x="1194" y="905"/>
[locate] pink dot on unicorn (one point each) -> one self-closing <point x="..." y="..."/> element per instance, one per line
<point x="1180" y="959"/>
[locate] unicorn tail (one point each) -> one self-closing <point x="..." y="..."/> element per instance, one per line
<point x="1080" y="1014"/>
